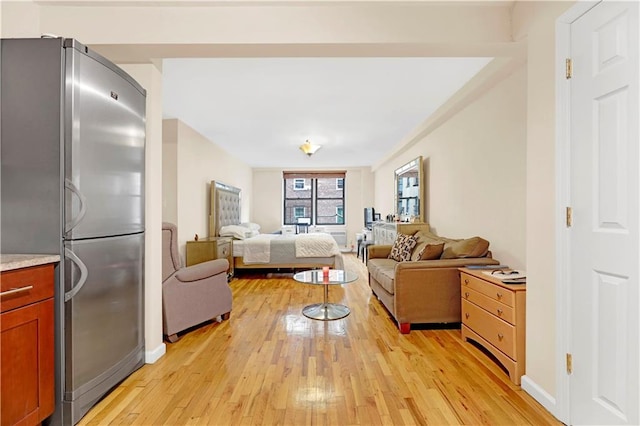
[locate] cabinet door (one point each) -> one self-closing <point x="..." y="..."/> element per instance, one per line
<point x="26" y="369"/>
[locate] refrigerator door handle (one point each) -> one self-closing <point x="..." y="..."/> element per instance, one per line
<point x="83" y="274"/>
<point x="83" y="207"/>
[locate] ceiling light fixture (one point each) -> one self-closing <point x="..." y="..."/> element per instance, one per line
<point x="309" y="148"/>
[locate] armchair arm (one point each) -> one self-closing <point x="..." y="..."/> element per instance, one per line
<point x="379" y="251"/>
<point x="202" y="270"/>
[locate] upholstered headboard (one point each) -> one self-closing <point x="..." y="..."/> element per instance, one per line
<point x="225" y="207"/>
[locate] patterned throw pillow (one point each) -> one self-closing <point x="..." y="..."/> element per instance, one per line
<point x="402" y="247"/>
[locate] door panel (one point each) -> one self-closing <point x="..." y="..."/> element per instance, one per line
<point x="604" y="196"/>
<point x="104" y="318"/>
<point x="104" y="155"/>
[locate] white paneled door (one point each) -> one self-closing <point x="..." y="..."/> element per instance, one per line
<point x="604" y="236"/>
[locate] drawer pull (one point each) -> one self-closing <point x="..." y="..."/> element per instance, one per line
<point x="16" y="290"/>
<point x="466" y="281"/>
<point x="466" y="315"/>
<point x="500" y="336"/>
<point x="466" y="294"/>
<point x="499" y="295"/>
<point x="499" y="311"/>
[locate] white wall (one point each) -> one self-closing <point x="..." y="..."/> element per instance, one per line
<point x="198" y="161"/>
<point x="535" y="22"/>
<point x="20" y="19"/>
<point x="170" y="171"/>
<point x="267" y="199"/>
<point x="475" y="171"/>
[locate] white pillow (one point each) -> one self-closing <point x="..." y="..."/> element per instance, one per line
<point x="236" y="231"/>
<point x="251" y="225"/>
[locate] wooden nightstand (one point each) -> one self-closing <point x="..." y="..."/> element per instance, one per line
<point x="493" y="315"/>
<point x="210" y="248"/>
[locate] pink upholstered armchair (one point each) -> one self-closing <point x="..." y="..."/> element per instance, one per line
<point x="194" y="294"/>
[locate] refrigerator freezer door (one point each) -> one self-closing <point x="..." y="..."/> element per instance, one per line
<point x="103" y="316"/>
<point x="104" y="150"/>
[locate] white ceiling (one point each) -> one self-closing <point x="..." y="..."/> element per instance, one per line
<point x="261" y="109"/>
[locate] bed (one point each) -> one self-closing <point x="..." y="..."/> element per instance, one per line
<point x="253" y="250"/>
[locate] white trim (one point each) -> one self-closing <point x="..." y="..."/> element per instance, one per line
<point x="150" y="357"/>
<point x="561" y="403"/>
<point x="539" y="394"/>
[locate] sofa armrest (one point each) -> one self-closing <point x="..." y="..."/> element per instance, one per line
<point x="202" y="270"/>
<point x="445" y="263"/>
<point x="379" y="251"/>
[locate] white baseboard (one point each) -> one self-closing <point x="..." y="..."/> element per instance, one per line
<point x="539" y="394"/>
<point x="152" y="356"/>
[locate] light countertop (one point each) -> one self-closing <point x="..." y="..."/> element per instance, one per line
<point x="9" y="262"/>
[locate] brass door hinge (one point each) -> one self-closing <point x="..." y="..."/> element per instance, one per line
<point x="569" y="217"/>
<point x="569" y="364"/>
<point x="568" y="68"/>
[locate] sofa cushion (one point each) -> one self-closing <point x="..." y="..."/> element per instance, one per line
<point x="471" y="247"/>
<point x="383" y="271"/>
<point x="403" y="247"/>
<point x="424" y="238"/>
<point x="431" y="252"/>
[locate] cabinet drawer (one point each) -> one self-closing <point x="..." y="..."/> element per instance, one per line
<point x="501" y="310"/>
<point x="498" y="332"/>
<point x="224" y="249"/>
<point x="490" y="290"/>
<point x="24" y="286"/>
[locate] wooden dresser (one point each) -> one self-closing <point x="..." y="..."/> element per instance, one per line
<point x="27" y="344"/>
<point x="210" y="248"/>
<point x="493" y="315"/>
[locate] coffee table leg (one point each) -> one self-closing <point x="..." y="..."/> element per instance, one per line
<point x="326" y="311"/>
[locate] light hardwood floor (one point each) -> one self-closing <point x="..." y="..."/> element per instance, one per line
<point x="271" y="365"/>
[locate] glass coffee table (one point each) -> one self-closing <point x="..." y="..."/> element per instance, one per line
<point x="325" y="311"/>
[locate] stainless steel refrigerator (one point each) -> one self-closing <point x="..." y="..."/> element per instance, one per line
<point x="72" y="182"/>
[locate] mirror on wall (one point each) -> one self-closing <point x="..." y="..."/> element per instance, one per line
<point x="409" y="192"/>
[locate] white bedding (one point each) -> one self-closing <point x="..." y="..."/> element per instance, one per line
<point x="259" y="249"/>
<point x="316" y="244"/>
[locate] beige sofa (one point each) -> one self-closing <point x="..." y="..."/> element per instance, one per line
<point x="422" y="291"/>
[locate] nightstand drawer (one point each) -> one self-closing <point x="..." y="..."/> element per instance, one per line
<point x="501" y="310"/>
<point x="224" y="249"/>
<point x="490" y="290"/>
<point x="499" y="333"/>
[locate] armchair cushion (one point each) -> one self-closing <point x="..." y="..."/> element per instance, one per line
<point x="202" y="270"/>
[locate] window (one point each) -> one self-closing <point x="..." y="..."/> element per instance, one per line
<point x="298" y="212"/>
<point x="298" y="184"/>
<point x="316" y="195"/>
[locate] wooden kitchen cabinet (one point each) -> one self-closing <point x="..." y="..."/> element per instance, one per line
<point x="27" y="345"/>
